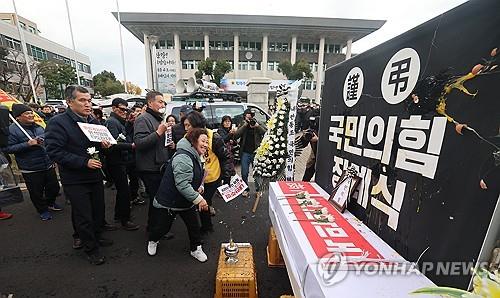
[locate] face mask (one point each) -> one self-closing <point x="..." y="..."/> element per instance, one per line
<point x="161" y="110"/>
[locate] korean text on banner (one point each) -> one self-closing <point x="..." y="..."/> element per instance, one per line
<point x="234" y="189"/>
<point x="96" y="133"/>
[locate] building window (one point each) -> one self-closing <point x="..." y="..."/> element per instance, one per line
<point x="165" y="44"/>
<point x="32" y="30"/>
<point x="192" y="45"/>
<point x="250" y="46"/>
<point x="13" y="43"/>
<point x="38" y="54"/>
<point x="221" y="45"/>
<point x="7" y="21"/>
<point x="249" y="65"/>
<point x="23" y="25"/>
<point x="332" y="48"/>
<point x="273" y="65"/>
<point x="279" y="47"/>
<point x="310" y="85"/>
<point x="190" y="64"/>
<point x="308" y="47"/>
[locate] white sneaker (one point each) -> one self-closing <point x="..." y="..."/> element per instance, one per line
<point x="199" y="254"/>
<point x="245" y="194"/>
<point x="152" y="245"/>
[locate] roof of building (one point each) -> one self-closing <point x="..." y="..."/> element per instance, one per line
<point x="165" y="24"/>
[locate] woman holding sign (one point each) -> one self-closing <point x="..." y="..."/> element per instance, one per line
<point x="180" y="193"/>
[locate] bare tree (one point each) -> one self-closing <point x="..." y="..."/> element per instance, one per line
<point x="20" y="76"/>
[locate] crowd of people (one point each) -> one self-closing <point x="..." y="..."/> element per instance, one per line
<point x="180" y="162"/>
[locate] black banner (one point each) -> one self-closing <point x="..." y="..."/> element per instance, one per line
<point x="429" y="182"/>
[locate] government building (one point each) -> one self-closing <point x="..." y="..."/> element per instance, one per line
<point x="39" y="49"/>
<point x="254" y="45"/>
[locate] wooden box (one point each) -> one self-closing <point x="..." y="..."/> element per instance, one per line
<point x="236" y="280"/>
<point x="274" y="256"/>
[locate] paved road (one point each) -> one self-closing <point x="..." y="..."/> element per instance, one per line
<point x="36" y="258"/>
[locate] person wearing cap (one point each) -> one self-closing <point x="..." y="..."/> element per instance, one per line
<point x="178" y="130"/>
<point x="250" y="134"/>
<point x="118" y="157"/>
<point x="33" y="161"/>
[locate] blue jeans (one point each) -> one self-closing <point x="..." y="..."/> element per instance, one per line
<point x="246" y="161"/>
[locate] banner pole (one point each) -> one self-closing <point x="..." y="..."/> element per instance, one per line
<point x="73" y="43"/>
<point x="121" y="46"/>
<point x="25" y="52"/>
<point x="19" y="125"/>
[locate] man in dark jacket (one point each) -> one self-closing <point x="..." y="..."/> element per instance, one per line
<point x="135" y="198"/>
<point x="178" y="130"/>
<point x="118" y="157"/>
<point x="250" y="134"/>
<point x="80" y="170"/>
<point x="150" y="150"/>
<point x="36" y="167"/>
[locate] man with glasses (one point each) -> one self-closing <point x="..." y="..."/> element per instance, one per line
<point x="36" y="167"/>
<point x="118" y="157"/>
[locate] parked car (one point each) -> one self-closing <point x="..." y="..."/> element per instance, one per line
<point x="105" y="103"/>
<point x="56" y="102"/>
<point x="215" y="110"/>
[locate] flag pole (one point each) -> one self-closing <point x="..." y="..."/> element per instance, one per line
<point x="73" y="42"/>
<point x="25" y="51"/>
<point x="121" y="46"/>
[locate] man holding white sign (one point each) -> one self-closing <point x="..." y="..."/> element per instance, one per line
<point x="80" y="170"/>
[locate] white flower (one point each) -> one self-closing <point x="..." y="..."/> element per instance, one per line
<point x="281" y="123"/>
<point x="271" y="147"/>
<point x="324" y="210"/>
<point x="281" y="160"/>
<point x="282" y="139"/>
<point x="274" y="173"/>
<point x="92" y="151"/>
<point x="279" y="131"/>
<point x="283" y="145"/>
<point x="274" y="161"/>
<point x="268" y="161"/>
<point x="281" y="112"/>
<point x="330" y="218"/>
<point x="282" y="152"/>
<point x="121" y="137"/>
<point x="281" y="117"/>
<point x="270" y="142"/>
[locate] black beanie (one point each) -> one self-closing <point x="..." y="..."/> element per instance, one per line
<point x="18" y="109"/>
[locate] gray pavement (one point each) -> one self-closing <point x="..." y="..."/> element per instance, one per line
<point x="37" y="260"/>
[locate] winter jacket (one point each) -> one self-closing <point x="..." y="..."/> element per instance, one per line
<point x="28" y="158"/>
<point x="150" y="149"/>
<point x="218" y="163"/>
<point x="182" y="178"/>
<point x="225" y="135"/>
<point x="67" y="145"/>
<point x="121" y="153"/>
<point x="178" y="132"/>
<point x="241" y="133"/>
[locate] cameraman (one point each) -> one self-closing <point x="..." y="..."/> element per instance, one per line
<point x="250" y="134"/>
<point x="311" y="136"/>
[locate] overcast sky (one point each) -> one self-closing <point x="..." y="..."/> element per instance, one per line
<point x="96" y="30"/>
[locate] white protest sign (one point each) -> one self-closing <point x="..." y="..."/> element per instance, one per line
<point x="232" y="190"/>
<point x="168" y="137"/>
<point x="96" y="133"/>
<point x="293" y="96"/>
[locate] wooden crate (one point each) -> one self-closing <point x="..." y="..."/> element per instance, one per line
<point x="236" y="280"/>
<point x="274" y="256"/>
